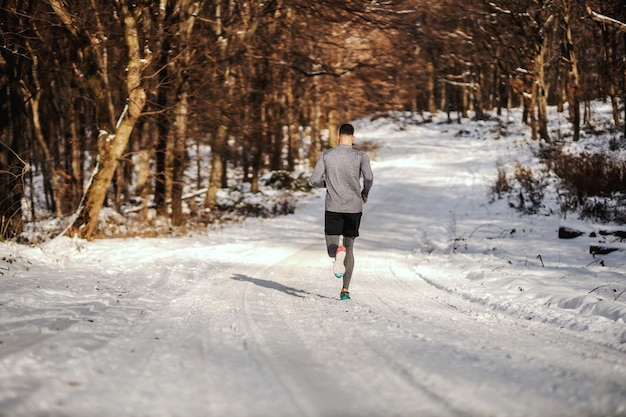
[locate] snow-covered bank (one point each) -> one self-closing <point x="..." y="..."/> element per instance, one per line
<point x="460" y="306"/>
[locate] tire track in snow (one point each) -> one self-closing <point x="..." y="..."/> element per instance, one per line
<point x="381" y="272"/>
<point x="306" y="345"/>
<point x="336" y="338"/>
<point x="441" y="323"/>
<point x="455" y="318"/>
<point x="286" y="359"/>
<point x="280" y="302"/>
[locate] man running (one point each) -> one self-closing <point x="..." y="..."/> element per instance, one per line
<point x="339" y="170"/>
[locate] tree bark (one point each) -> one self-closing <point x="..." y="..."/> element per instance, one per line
<point x="162" y="118"/>
<point x="333" y="123"/>
<point x="178" y="156"/>
<point x="315" y="122"/>
<point x="188" y="11"/>
<point x="430" y="88"/>
<point x="573" y="77"/>
<point x="111" y="146"/>
<point x="145" y="154"/>
<point x="218" y="145"/>
<point x="541" y="94"/>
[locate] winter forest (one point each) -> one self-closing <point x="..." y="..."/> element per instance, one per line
<point x="114" y="104"/>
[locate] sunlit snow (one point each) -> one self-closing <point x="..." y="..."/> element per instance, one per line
<point x="460" y="305"/>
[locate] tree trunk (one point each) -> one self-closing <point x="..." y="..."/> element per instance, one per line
<point x="143" y="189"/>
<point x="11" y="166"/>
<point x="111" y="146"/>
<point x="532" y="115"/>
<point x="573" y="78"/>
<point x="260" y="131"/>
<point x="293" y="138"/>
<point x="587" y="113"/>
<point x="465" y="100"/>
<point x="430" y="88"/>
<point x="275" y="133"/>
<point x="316" y="116"/>
<point x="76" y="179"/>
<point x="179" y="152"/>
<point x="49" y="174"/>
<point x="541" y="95"/>
<point x="294" y="146"/>
<point x="333" y="123"/>
<point x="188" y="10"/>
<point x="162" y="104"/>
<point x="218" y="145"/>
<point x="163" y="128"/>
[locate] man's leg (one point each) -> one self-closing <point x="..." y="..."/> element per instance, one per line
<point x="332" y="243"/>
<point x="348" y="243"/>
<point x="333" y="225"/>
<point x="332" y="246"/>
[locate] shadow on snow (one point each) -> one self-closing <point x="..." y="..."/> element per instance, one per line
<point x="294" y="292"/>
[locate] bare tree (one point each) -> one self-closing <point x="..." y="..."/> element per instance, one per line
<point x="14" y="60"/>
<point x="187" y="11"/>
<point x="111" y="145"/>
<point x="249" y="79"/>
<point x="613" y="33"/>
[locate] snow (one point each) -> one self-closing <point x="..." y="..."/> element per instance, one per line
<point x="460" y="305"/>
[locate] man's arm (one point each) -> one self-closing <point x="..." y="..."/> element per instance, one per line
<point x="317" y="177"/>
<point x="368" y="176"/>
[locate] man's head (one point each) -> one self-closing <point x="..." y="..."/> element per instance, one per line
<point x="346" y="134"/>
<point x="346" y="129"/>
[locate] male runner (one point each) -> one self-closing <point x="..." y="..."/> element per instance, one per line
<point x="339" y="170"/>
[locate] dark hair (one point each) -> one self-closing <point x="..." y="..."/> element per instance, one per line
<point x="346" y="129"/>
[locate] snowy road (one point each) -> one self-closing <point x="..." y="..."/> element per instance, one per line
<point x="247" y="321"/>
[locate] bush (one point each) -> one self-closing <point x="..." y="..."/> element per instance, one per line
<point x="590" y="175"/>
<point x="501" y="186"/>
<point x="529" y="191"/>
<point x="283" y="180"/>
<point x="606" y="210"/>
<point x="591" y="184"/>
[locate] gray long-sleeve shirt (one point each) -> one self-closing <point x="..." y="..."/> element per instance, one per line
<point x="339" y="170"/>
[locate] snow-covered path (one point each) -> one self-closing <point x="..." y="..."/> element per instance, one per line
<point x="246" y="321"/>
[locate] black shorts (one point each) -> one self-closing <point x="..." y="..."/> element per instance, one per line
<point x="346" y="224"/>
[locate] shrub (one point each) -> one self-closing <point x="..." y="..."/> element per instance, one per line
<point x="530" y="190"/>
<point x="501" y="186"/>
<point x="590" y="175"/>
<point x="592" y="184"/>
<point x="283" y="180"/>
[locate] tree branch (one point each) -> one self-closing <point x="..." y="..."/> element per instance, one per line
<point x="609" y="21"/>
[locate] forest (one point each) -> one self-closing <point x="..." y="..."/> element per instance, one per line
<point x="102" y="102"/>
